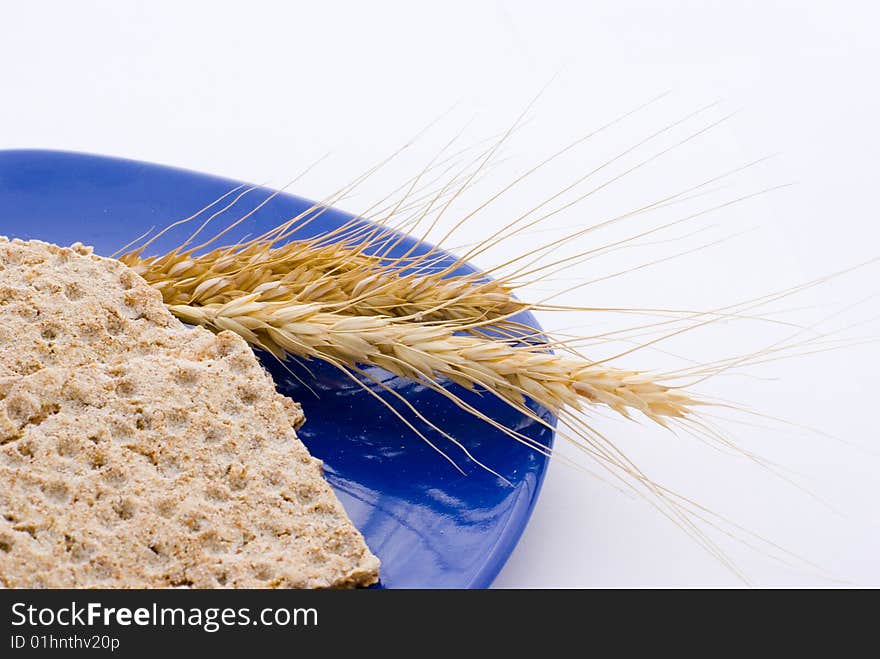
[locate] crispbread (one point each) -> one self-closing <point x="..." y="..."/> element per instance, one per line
<point x="138" y="452"/>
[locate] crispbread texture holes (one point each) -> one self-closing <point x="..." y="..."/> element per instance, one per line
<point x="138" y="452"/>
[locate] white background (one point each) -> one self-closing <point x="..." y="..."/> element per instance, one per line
<point x="259" y="90"/>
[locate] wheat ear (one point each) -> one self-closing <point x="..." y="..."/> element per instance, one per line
<point x="305" y="270"/>
<point x="428" y="352"/>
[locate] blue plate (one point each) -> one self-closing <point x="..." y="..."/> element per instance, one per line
<point x="431" y="526"/>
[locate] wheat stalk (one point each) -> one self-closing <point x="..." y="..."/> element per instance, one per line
<point x="430" y="352"/>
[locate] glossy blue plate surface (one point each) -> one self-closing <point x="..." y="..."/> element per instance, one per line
<point x="431" y="526"/>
